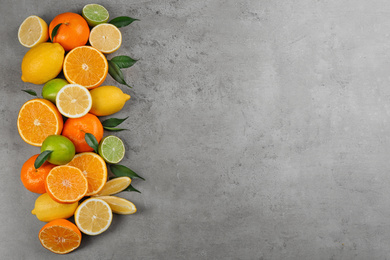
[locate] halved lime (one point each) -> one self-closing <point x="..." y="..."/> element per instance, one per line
<point x="95" y="14"/>
<point x="112" y="149"/>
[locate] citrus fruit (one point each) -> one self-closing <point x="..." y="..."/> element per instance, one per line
<point x="94" y="168"/>
<point x="60" y="236"/>
<point x="32" y="31"/>
<point x="37" y="119"/>
<point x="73" y="31"/>
<point x="112" y="149"/>
<point x="76" y="128"/>
<point x="73" y="101"/>
<point x="66" y="184"/>
<point x="105" y="37"/>
<point x="93" y="216"/>
<point x="63" y="149"/>
<point x="34" y="179"/>
<point x="42" y="63"/>
<point x="85" y="66"/>
<point x="119" y="205"/>
<point x="46" y="209"/>
<point x="51" y="88"/>
<point x="95" y="14"/>
<point x="107" y="100"/>
<point x="115" y="186"/>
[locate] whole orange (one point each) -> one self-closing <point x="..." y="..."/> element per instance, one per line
<point x="76" y="128"/>
<point x="34" y="179"/>
<point x="73" y="31"/>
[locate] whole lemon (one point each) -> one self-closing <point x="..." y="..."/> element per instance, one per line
<point x="107" y="100"/>
<point x="46" y="209"/>
<point x="42" y="63"/>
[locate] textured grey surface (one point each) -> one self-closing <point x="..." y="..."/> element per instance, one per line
<point x="261" y="127"/>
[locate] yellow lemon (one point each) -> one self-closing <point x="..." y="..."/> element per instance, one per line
<point x="46" y="209"/>
<point x="107" y="100"/>
<point x="42" y="63"/>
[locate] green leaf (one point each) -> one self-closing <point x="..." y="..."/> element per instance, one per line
<point x="91" y="141"/>
<point x="123" y="61"/>
<point x="122" y="21"/>
<point x="131" y="188"/>
<point x="113" y="122"/>
<point x="113" y="129"/>
<point x="116" y="73"/>
<point x="55" y="30"/>
<point x="30" y="91"/>
<point x="121" y="170"/>
<point x="42" y="158"/>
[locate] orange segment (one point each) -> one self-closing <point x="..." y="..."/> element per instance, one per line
<point x="94" y="168"/>
<point x="73" y="101"/>
<point x="66" y="184"/>
<point x="85" y="66"/>
<point x="37" y="119"/>
<point x="60" y="236"/>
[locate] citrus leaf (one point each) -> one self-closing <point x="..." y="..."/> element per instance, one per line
<point x="116" y="73"/>
<point x="113" y="122"/>
<point x="113" y="129"/>
<point x="131" y="188"/>
<point x="122" y="21"/>
<point x="30" y="91"/>
<point x="42" y="158"/>
<point x="121" y="170"/>
<point x="91" y="141"/>
<point x="55" y="30"/>
<point x="123" y="61"/>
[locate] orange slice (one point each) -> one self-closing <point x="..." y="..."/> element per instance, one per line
<point x="105" y="37"/>
<point x="94" y="168"/>
<point x="66" y="184"/>
<point x="37" y="119"/>
<point x="74" y="101"/>
<point x="60" y="236"/>
<point x="85" y="66"/>
<point x="32" y="31"/>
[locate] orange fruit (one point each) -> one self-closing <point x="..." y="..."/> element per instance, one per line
<point x="76" y="128"/>
<point x="85" y="66"/>
<point x="60" y="236"/>
<point x="38" y="118"/>
<point x="66" y="184"/>
<point x="34" y="179"/>
<point x="94" y="168"/>
<point x="73" y="31"/>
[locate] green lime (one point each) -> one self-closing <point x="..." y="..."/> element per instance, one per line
<point x="95" y="14"/>
<point x="112" y="149"/>
<point x="63" y="149"/>
<point x="51" y="88"/>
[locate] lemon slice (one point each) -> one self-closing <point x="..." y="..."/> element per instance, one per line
<point x="105" y="37"/>
<point x="93" y="216"/>
<point x="120" y="205"/>
<point x="73" y="101"/>
<point x="115" y="186"/>
<point x="32" y="31"/>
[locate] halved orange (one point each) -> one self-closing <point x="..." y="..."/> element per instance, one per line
<point x="38" y="118"/>
<point x="60" y="236"/>
<point x="94" y="168"/>
<point x="85" y="66"/>
<point x="66" y="184"/>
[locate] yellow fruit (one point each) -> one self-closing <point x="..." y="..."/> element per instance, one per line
<point x="106" y="38"/>
<point x="115" y="186"/>
<point x="46" y="209"/>
<point x="42" y="63"/>
<point x="107" y="100"/>
<point x="119" y="205"/>
<point x="32" y="31"/>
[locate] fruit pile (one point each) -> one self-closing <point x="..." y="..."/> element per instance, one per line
<point x="75" y="162"/>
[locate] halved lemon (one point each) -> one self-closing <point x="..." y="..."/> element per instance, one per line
<point x="105" y="37"/>
<point x="73" y="101"/>
<point x="32" y="31"/>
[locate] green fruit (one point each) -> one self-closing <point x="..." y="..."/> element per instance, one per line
<point x="63" y="149"/>
<point x="111" y="149"/>
<point x="95" y="14"/>
<point x="46" y="209"/>
<point x="51" y="88"/>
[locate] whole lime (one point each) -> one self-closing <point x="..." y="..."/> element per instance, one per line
<point x="63" y="149"/>
<point x="51" y="88"/>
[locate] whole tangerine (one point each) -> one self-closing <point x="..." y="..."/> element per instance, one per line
<point x="76" y="128"/>
<point x="34" y="179"/>
<point x="72" y="32"/>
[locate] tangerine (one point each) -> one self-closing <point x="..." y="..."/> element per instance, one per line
<point x="34" y="179"/>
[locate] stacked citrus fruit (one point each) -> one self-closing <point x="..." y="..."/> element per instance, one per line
<point x="74" y="154"/>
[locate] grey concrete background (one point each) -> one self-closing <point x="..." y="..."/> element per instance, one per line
<point x="262" y="128"/>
